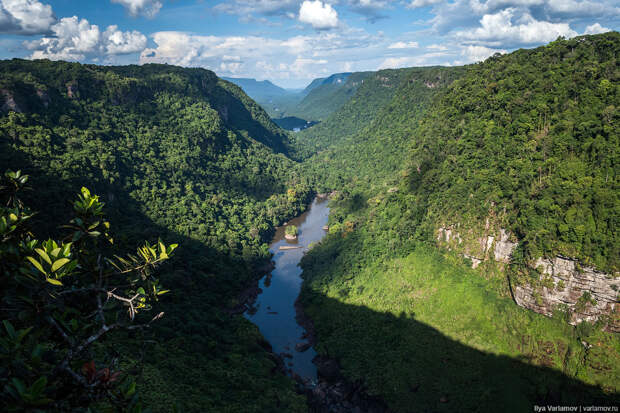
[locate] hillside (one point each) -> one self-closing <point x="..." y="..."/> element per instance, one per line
<point x="335" y="79"/>
<point x="470" y="261"/>
<point x="511" y="163"/>
<point x="327" y="96"/>
<point x="317" y="101"/>
<point x="369" y="103"/>
<point x="259" y="90"/>
<point x="178" y="154"/>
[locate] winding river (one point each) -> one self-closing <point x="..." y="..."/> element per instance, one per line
<point x="274" y="309"/>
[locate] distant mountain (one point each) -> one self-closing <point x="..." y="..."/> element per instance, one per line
<point x="325" y="96"/>
<point x="316" y="102"/>
<point x="258" y="89"/>
<point x="335" y="79"/>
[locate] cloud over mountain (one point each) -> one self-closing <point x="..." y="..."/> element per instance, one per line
<point x="25" y="17"/>
<point x="77" y="39"/>
<point x="319" y="15"/>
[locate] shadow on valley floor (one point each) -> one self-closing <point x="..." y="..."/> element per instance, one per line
<point x="415" y="368"/>
<point x="198" y="357"/>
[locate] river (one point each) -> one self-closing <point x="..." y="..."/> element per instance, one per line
<point x="274" y="309"/>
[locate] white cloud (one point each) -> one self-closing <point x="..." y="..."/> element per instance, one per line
<point x="147" y="8"/>
<point x="76" y="39"/>
<point x="427" y="59"/>
<point x="596" y="29"/>
<point x="25" y="17"/>
<point x="291" y="62"/>
<point x="497" y="29"/>
<point x="117" y="42"/>
<point x="439" y="47"/>
<point x="423" y="3"/>
<point x="319" y="15"/>
<point x="478" y="53"/>
<point x="404" y="45"/>
<point x="454" y="15"/>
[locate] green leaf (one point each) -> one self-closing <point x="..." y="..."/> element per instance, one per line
<point x="44" y="255"/>
<point x="9" y="328"/>
<point x="19" y="385"/>
<point x="13" y="217"/>
<point x="59" y="263"/>
<point x="53" y="281"/>
<point x="141" y="291"/>
<point x="131" y="390"/>
<point x="163" y="292"/>
<point x="55" y="252"/>
<point x="38" y="386"/>
<point x="22" y="333"/>
<point x="36" y="264"/>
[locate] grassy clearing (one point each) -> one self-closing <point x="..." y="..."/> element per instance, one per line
<point x="426" y="332"/>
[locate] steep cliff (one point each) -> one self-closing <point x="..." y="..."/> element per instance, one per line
<point x="558" y="284"/>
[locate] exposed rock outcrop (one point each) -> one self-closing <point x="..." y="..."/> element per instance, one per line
<point x="586" y="293"/>
<point x="9" y="102"/>
<point x="73" y="91"/>
<point x="43" y="97"/>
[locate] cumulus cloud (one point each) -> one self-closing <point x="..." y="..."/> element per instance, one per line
<point x="500" y="28"/>
<point x="404" y="45"/>
<point x="427" y="59"/>
<point x="319" y="15"/>
<point x="596" y="28"/>
<point x="290" y="61"/>
<point x="479" y="53"/>
<point x="117" y="42"/>
<point x="456" y="15"/>
<point x="25" y="17"/>
<point x="146" y="8"/>
<point x="77" y="39"/>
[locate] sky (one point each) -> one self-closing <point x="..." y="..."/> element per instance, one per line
<point x="291" y="42"/>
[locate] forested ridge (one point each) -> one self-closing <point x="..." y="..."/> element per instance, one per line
<point x="527" y="141"/>
<point x="176" y="156"/>
<point x="174" y="153"/>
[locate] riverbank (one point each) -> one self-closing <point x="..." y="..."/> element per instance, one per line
<point x="271" y="304"/>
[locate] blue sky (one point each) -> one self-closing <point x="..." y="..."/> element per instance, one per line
<point x="290" y="42"/>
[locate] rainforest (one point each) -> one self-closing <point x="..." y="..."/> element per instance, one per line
<point x="453" y="233"/>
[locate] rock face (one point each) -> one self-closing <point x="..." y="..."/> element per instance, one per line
<point x="503" y="247"/>
<point x="43" y="97"/>
<point x="9" y="102"/>
<point x="588" y="294"/>
<point x="73" y="90"/>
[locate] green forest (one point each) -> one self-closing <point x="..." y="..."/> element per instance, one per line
<point x="137" y="204"/>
